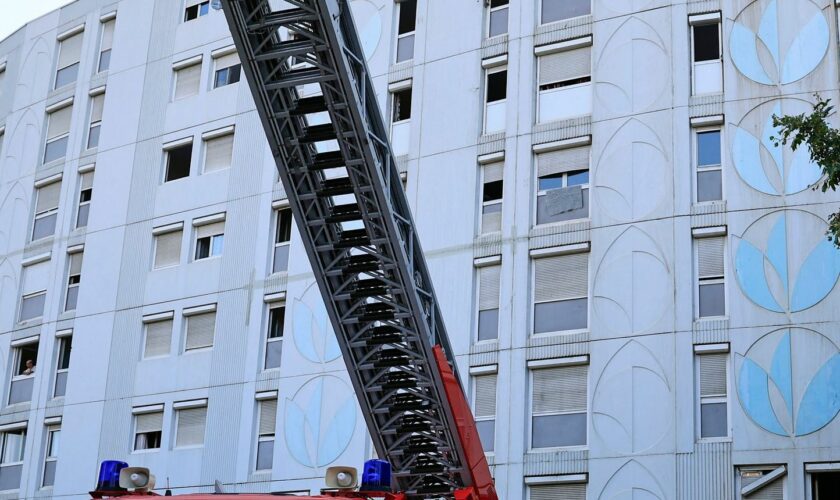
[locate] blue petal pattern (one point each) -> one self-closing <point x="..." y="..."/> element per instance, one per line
<point x="807" y="50"/>
<point x="754" y="391"/>
<point x="749" y="266"/>
<point x="295" y="431"/>
<point x="821" y="401"/>
<point x="781" y="372"/>
<point x="744" y="50"/>
<point x="777" y="251"/>
<point x="339" y="432"/>
<point x="817" y="276"/>
<point x="746" y="154"/>
<point x="768" y="30"/>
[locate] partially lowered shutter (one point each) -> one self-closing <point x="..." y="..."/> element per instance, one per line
<point x="563" y="160"/>
<point x="227" y="61"/>
<point x="268" y="416"/>
<point x="168" y="249"/>
<point x="200" y="330"/>
<point x="158" y="338"/>
<point x="210" y="229"/>
<point x="485" y="396"/>
<point x="562" y="277"/>
<point x="59" y="122"/>
<point x="713" y="374"/>
<point x="219" y="153"/>
<point x="567" y="65"/>
<point x="558" y="492"/>
<point x="493" y="172"/>
<point x="191" y="424"/>
<point x="36" y="277"/>
<point x="71" y="51"/>
<point x="108" y="35"/>
<point x="560" y="390"/>
<point x="149" y="422"/>
<point x="710" y="257"/>
<point x="488" y="283"/>
<point x="187" y="81"/>
<point x="96" y="107"/>
<point x="48" y="197"/>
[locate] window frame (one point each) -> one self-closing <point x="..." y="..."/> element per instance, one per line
<point x="177" y="75"/>
<point x="263" y="438"/>
<point x="560" y="85"/>
<point x="477" y="309"/>
<point x="565" y="184"/>
<point x="401" y="36"/>
<point x="533" y="300"/>
<point x="46" y="213"/>
<point x="103" y="26"/>
<point x="208" y="138"/>
<point x="134" y="433"/>
<point x="701" y="400"/>
<point x="278" y="213"/>
<point x="17" y="354"/>
<point x="167" y="151"/>
<point x="483" y="205"/>
<point x="178" y="411"/>
<point x="94" y="124"/>
<point x="49" y="455"/>
<point x="155" y="238"/>
<point x="486" y="96"/>
<point x="4" y="441"/>
<point x="530" y="418"/>
<point x="190" y="313"/>
<point x="78" y="31"/>
<point x="217" y="71"/>
<point x="24" y="297"/>
<point x="271" y="306"/>
<point x="472" y="402"/>
<point x="816" y="469"/>
<point x="70" y="283"/>
<point x="211" y="248"/>
<point x="696" y="132"/>
<point x="694" y="64"/>
<point x="698" y="282"/>
<point x="198" y="6"/>
<point x="65" y="343"/>
<point x="147" y="322"/>
<point x="544" y="23"/>
<point x="492" y="10"/>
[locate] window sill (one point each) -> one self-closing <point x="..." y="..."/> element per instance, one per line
<point x="539" y="451"/>
<point x="560" y="22"/>
<point x="205" y="259"/>
<point x="164" y="267"/>
<point x="31" y="322"/>
<point x="560" y="333"/>
<point x="196" y="350"/>
<point x="190" y="447"/>
<point x="152" y="358"/>
<point x="559" y="224"/>
<point x="145" y="452"/>
<point x="727" y="439"/>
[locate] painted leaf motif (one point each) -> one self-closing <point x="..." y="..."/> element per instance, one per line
<point x="746" y="154"/>
<point x="817" y="276"/>
<point x="807" y="50"/>
<point x="295" y="432"/>
<point x="744" y="52"/>
<point x="754" y="391"/>
<point x="749" y="265"/>
<point x="339" y="432"/>
<point x="313" y="336"/>
<point x="632" y="481"/>
<point x="821" y="401"/>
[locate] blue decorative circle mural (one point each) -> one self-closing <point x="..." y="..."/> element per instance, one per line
<point x="320" y="421"/>
<point x="776" y="43"/>
<point x="789" y="382"/>
<point x="784" y="263"/>
<point x="312" y="332"/>
<point x="765" y="167"/>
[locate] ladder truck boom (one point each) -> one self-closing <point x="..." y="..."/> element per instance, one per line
<point x="348" y="202"/>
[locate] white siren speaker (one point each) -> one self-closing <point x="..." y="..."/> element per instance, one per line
<point x="342" y="477"/>
<point x="137" y="479"/>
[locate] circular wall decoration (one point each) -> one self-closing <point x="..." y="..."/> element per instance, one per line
<point x="368" y="24"/>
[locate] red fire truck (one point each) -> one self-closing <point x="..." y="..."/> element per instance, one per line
<point x="306" y="69"/>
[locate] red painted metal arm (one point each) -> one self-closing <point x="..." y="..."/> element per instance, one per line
<point x="483" y="487"/>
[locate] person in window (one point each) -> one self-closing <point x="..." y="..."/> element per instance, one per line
<point x="30" y="367"/>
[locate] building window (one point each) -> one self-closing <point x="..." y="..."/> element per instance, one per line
<point x="558" y="10"/>
<point x="282" y="239"/>
<point x="562" y="185"/>
<point x="69" y="53"/>
<point x="97" y="103"/>
<point x="178" y="161"/>
<point x="712" y="394"/>
<point x="265" y="434"/>
<point x="65" y="346"/>
<point x="187" y="78"/>
<point x="561" y="291"/>
<point x="401" y="120"/>
<point x="711" y="284"/>
<point x="46" y="210"/>
<point x="58" y="132"/>
<point x="34" y="291"/>
<point x="196" y="9"/>
<point x="559" y="406"/>
<point x="495" y="102"/>
<point x="709" y="170"/>
<point x="218" y="150"/>
<point x="85" y="196"/>
<point x="158" y="336"/>
<point x="51" y="455"/>
<point x="11" y="459"/>
<point x="25" y="357"/>
<point x="497" y="23"/>
<point x="488" y="302"/>
<point x="191" y="422"/>
<point x="707" y="57"/>
<point x="492" y="188"/>
<point x="576" y="491"/>
<point x="201" y="328"/>
<point x="148" y="428"/>
<point x="565" y="84"/>
<point x="106" y="44"/>
<point x="406" y="24"/>
<point x="168" y="246"/>
<point x="274" y="336"/>
<point x="484" y="404"/>
<point x="765" y="482"/>
<point x="823" y="479"/>
<point x="209" y="240"/>
<point x="228" y="69"/>
<point x="74" y="279"/>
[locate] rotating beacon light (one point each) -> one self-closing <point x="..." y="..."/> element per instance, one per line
<point x="376" y="476"/>
<point x="109" y="475"/>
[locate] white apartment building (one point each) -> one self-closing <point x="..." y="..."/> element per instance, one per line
<point x="635" y="277"/>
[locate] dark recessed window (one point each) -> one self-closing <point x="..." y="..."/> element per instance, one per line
<point x="493" y="191"/>
<point x="706" y="42"/>
<point x="196" y="11"/>
<point x="402" y="105"/>
<point x="227" y="76"/>
<point x="178" y="162"/>
<point x="408" y="16"/>
<point x="497" y="86"/>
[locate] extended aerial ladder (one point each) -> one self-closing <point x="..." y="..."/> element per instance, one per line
<point x="348" y="202"/>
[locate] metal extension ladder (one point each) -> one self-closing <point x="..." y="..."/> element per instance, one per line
<point x="354" y="219"/>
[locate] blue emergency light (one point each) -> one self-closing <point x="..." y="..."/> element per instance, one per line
<point x="376" y="476"/>
<point x="109" y="475"/>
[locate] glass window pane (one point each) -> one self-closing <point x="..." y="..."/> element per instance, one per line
<point x="281" y="258"/>
<point x="66" y="76"/>
<point x="405" y="48"/>
<point x="72" y="298"/>
<point x="202" y="248"/>
<point x="10" y="477"/>
<point x="569" y="206"/>
<point x="104" y="60"/>
<point x="552" y="431"/>
<point x="93" y="137"/>
<point x="487" y="434"/>
<point x="557" y="10"/>
<point x="55" y="441"/>
<point x="493" y="191"/>
<point x="554" y="181"/>
<point x="49" y="473"/>
<point x="82" y="218"/>
<point x="498" y="22"/>
<point x="706" y="42"/>
<point x="712" y="300"/>
<point x="55" y="150"/>
<point x="488" y="324"/>
<point x="265" y="455"/>
<point x="578" y="178"/>
<point x="709" y="187"/>
<point x="45" y="226"/>
<point x="276" y="318"/>
<point x="32" y="307"/>
<point x="60" y="384"/>
<point x="178" y="162"/>
<point x="13" y="447"/>
<point x="561" y="315"/>
<point x="273" y="354"/>
<point x="496" y="86"/>
<point x="408" y="16"/>
<point x="708" y="148"/>
<point x="218" y="244"/>
<point x="713" y="420"/>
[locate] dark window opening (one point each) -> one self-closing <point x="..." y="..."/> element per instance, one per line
<point x="64" y="353"/>
<point x="498" y="3"/>
<point x="566" y="83"/>
<point x="497" y="86"/>
<point x="196" y="11"/>
<point x="706" y="42"/>
<point x="227" y="76"/>
<point x="27" y="357"/>
<point x="147" y="440"/>
<point x="493" y="191"/>
<point x="708" y="148"/>
<point x="825" y="486"/>
<point x="202" y="248"/>
<point x="85" y="195"/>
<point x="284" y="226"/>
<point x="408" y="16"/>
<point x="276" y="317"/>
<point x="402" y="105"/>
<point x="178" y="162"/>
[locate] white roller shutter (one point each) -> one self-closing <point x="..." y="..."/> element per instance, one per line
<point x="710" y="257"/>
<point x="563" y="160"/>
<point x="149" y="422"/>
<point x="59" y="122"/>
<point x="485" y="396"/>
<point x="268" y="416"/>
<point x="191" y="424"/>
<point x="108" y="35"/>
<point x="168" y="249"/>
<point x="158" y="338"/>
<point x="567" y="65"/>
<point x="71" y="51"/>
<point x="76" y="263"/>
<point x="187" y="81"/>
<point x="87" y="181"/>
<point x="488" y="283"/>
<point x="227" y="61"/>
<point x="560" y="390"/>
<point x="713" y="374"/>
<point x="210" y="229"/>
<point x="557" y="492"/>
<point x="561" y="278"/>
<point x="96" y="107"/>
<point x="48" y="197"/>
<point x="219" y="153"/>
<point x="200" y="330"/>
<point x="493" y="172"/>
<point x="36" y="277"/>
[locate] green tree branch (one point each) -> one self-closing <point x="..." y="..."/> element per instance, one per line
<point x="823" y="144"/>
